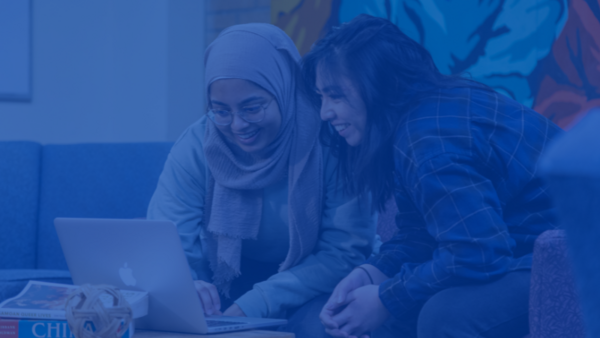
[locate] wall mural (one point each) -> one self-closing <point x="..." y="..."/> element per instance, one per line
<point x="543" y="53"/>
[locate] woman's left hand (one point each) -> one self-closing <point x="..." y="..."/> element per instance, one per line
<point x="234" y="311"/>
<point x="363" y="313"/>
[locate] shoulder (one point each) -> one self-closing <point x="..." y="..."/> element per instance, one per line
<point x="193" y="134"/>
<point x="437" y="124"/>
<point x="188" y="151"/>
<point x="477" y="124"/>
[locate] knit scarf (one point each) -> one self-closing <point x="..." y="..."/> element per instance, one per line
<point x="265" y="55"/>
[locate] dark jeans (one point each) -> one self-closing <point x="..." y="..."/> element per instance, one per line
<point x="303" y="321"/>
<point x="496" y="309"/>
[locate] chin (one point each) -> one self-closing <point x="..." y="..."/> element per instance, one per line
<point x="353" y="142"/>
<point x="251" y="148"/>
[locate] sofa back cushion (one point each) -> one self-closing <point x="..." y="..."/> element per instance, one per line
<point x="94" y="181"/>
<point x="19" y="182"/>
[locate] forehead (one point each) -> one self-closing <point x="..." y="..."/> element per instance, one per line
<point x="235" y="90"/>
<point x="324" y="75"/>
<point x="328" y="79"/>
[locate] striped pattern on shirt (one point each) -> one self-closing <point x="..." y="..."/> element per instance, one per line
<point x="469" y="198"/>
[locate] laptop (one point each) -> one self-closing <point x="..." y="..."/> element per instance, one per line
<point x="135" y="254"/>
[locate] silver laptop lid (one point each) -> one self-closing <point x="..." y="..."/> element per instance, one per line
<point x="135" y="255"/>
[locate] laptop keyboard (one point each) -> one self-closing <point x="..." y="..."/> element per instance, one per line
<point x="215" y="323"/>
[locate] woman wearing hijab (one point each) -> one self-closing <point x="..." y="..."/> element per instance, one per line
<point x="254" y="195"/>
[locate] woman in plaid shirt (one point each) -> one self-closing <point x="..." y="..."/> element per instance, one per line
<point x="461" y="162"/>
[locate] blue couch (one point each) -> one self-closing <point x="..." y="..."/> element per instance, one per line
<point x="39" y="183"/>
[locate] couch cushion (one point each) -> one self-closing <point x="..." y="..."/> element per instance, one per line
<point x="13" y="281"/>
<point x="94" y="181"/>
<point x="553" y="303"/>
<point x="19" y="183"/>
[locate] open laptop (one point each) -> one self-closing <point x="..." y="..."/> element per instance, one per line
<point x="144" y="255"/>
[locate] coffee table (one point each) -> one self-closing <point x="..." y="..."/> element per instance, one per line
<point x="237" y="334"/>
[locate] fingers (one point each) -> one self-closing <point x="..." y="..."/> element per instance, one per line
<point x="354" y="280"/>
<point x="348" y="298"/>
<point x="335" y="294"/>
<point x="335" y="314"/>
<point x="350" y="330"/>
<point x="214" y="295"/>
<point x="331" y="316"/>
<point x="337" y="333"/>
<point x="331" y="306"/>
<point x="343" y="288"/>
<point x="211" y="303"/>
<point x="353" y="330"/>
<point x="326" y="319"/>
<point x="342" y="318"/>
<point x="329" y="323"/>
<point x="207" y="303"/>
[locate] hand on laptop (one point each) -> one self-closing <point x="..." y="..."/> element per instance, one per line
<point x="209" y="296"/>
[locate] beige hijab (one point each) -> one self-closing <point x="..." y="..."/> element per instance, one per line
<point x="265" y="55"/>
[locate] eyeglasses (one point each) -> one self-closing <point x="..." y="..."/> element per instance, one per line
<point x="254" y="113"/>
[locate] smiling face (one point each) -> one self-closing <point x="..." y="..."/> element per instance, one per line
<point x="235" y="95"/>
<point x="342" y="106"/>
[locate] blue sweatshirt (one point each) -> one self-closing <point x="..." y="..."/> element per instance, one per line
<point x="346" y="238"/>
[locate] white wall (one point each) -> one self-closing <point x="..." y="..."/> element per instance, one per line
<point x="111" y="71"/>
<point x="186" y="46"/>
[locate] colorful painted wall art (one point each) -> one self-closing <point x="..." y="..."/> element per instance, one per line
<point x="543" y="53"/>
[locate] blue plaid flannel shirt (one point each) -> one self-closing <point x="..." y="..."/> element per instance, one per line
<point x="470" y="203"/>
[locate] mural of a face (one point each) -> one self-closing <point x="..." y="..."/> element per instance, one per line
<point x="234" y="95"/>
<point x="543" y="54"/>
<point x="498" y="42"/>
<point x="342" y="106"/>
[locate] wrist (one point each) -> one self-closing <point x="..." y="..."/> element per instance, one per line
<point x="367" y="279"/>
<point x="376" y="274"/>
<point x="253" y="304"/>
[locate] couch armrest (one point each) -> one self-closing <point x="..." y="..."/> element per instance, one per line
<point x="554" y="309"/>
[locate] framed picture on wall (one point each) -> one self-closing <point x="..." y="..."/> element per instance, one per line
<point x="15" y="50"/>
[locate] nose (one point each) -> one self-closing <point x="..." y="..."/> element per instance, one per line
<point x="327" y="113"/>
<point x="238" y="123"/>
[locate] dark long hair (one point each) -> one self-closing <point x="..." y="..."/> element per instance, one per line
<point x="391" y="72"/>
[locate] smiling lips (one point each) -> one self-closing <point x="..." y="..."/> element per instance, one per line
<point x="247" y="138"/>
<point x="341" y="128"/>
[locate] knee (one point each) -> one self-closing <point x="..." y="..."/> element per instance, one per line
<point x="305" y="322"/>
<point x="438" y="318"/>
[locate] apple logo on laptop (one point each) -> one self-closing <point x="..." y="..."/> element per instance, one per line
<point x="127" y="276"/>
